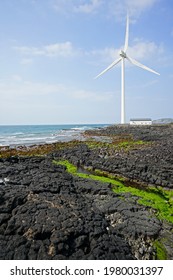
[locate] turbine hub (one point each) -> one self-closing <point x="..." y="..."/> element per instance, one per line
<point x="122" y="54"/>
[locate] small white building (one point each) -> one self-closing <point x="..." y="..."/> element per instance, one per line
<point x="140" y="122"/>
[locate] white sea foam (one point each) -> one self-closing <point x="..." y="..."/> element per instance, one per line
<point x="18" y="133"/>
<point x="28" y="135"/>
<point x="81" y="128"/>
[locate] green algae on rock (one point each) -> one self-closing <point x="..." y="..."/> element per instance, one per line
<point x="153" y="197"/>
<point x="161" y="253"/>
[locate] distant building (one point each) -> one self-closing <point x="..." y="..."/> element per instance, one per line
<point x="140" y="122"/>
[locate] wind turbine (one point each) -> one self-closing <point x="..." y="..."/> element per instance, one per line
<point x="123" y="56"/>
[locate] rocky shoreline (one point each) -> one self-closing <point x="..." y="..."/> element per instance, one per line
<point x="48" y="213"/>
<point x="152" y="163"/>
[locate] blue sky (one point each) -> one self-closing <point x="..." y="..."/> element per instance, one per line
<point x="50" y="51"/>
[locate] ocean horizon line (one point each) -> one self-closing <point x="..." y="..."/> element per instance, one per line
<point x="56" y="124"/>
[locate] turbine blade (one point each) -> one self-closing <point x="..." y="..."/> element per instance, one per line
<point x="127" y="34"/>
<point x="109" y="67"/>
<point x="133" y="61"/>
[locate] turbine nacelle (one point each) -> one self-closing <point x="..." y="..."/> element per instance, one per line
<point x="122" y="54"/>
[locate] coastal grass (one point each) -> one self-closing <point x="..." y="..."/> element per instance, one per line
<point x="156" y="198"/>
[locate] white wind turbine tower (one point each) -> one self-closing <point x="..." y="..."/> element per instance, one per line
<point x="123" y="56"/>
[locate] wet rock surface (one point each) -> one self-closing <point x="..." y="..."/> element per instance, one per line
<point x="46" y="213"/>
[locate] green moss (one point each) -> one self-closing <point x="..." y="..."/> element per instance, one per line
<point x="116" y="144"/>
<point x="153" y="200"/>
<point x="131" y="143"/>
<point x="161" y="253"/>
<point x="73" y="170"/>
<point x="156" y="198"/>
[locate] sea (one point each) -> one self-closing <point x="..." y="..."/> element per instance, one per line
<point x="16" y="135"/>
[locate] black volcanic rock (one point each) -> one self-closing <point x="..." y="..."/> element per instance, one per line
<point x="152" y="164"/>
<point x="50" y="218"/>
<point x="46" y="213"/>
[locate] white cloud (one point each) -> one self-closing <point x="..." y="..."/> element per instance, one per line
<point x="87" y="8"/>
<point x="59" y="49"/>
<point x="17" y="89"/>
<point x="141" y="5"/>
<point x="145" y="50"/>
<point x="139" y="50"/>
<point x="116" y="8"/>
<point x="77" y="6"/>
<point x="26" y="61"/>
<point x="61" y="5"/>
<point x="16" y="78"/>
<point x="135" y="7"/>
